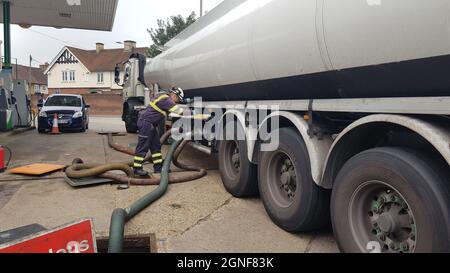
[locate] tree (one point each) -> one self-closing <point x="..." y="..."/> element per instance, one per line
<point x="167" y="30"/>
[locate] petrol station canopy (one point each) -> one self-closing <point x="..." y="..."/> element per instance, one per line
<point x="79" y="14"/>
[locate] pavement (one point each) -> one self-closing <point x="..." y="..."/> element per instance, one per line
<point x="196" y="217"/>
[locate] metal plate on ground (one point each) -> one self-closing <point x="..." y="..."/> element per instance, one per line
<point x="86" y="182"/>
<point x="17" y="233"/>
<point x="37" y="169"/>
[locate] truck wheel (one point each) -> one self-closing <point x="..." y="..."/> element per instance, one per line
<point x="291" y="198"/>
<point x="237" y="172"/>
<point x="130" y="117"/>
<point x="131" y="127"/>
<point x="391" y="200"/>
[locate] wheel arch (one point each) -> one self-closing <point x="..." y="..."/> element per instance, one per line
<point x="317" y="148"/>
<point x="250" y="133"/>
<point x="367" y="132"/>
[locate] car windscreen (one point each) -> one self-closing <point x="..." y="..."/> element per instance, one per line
<point x="67" y="101"/>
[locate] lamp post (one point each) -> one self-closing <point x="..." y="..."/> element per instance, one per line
<point x="201" y="8"/>
<point x="7" y="33"/>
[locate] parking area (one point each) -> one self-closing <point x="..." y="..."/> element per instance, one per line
<point x="198" y="216"/>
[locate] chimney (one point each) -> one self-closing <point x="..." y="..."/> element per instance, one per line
<point x="44" y="67"/>
<point x="129" y="46"/>
<point x="99" y="47"/>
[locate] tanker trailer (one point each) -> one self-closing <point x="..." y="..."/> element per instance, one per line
<point x="359" y="101"/>
<point x="273" y="50"/>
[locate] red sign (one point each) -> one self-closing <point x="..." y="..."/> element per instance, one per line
<point x="76" y="237"/>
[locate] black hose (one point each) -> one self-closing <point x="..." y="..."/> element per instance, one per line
<point x="18" y="116"/>
<point x="10" y="155"/>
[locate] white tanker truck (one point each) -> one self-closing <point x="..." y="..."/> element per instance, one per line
<point x="362" y="90"/>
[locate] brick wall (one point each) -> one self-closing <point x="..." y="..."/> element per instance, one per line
<point x="82" y="91"/>
<point x="101" y="104"/>
<point x="72" y="91"/>
<point x="105" y="104"/>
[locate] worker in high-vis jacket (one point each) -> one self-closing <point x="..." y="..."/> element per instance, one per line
<point x="148" y="137"/>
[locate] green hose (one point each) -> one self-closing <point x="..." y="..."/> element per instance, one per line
<point x="121" y="216"/>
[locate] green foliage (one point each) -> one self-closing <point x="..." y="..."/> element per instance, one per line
<point x="167" y="30"/>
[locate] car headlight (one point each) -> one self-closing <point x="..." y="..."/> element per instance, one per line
<point x="43" y="114"/>
<point x="78" y="115"/>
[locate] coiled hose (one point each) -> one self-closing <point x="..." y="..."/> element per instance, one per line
<point x="120" y="216"/>
<point x="80" y="170"/>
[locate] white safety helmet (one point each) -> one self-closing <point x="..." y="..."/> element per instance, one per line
<point x="179" y="92"/>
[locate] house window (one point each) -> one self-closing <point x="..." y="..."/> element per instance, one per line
<point x="68" y="76"/>
<point x="36" y="89"/>
<point x="72" y="76"/>
<point x="100" y="77"/>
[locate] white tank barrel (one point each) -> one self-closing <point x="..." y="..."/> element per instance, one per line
<point x="311" y="49"/>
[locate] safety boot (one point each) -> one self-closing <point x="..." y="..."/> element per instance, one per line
<point x="158" y="168"/>
<point x="140" y="172"/>
<point x="138" y="167"/>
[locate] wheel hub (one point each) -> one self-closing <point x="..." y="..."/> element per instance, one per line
<point x="393" y="222"/>
<point x="235" y="159"/>
<point x="281" y="171"/>
<point x="288" y="178"/>
<point x="386" y="223"/>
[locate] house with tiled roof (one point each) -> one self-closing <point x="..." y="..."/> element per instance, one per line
<point x="79" y="71"/>
<point x="34" y="76"/>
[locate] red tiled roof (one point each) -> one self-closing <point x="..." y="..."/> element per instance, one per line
<point x="21" y="72"/>
<point x="105" y="60"/>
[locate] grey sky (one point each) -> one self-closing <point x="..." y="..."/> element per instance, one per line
<point x="132" y="19"/>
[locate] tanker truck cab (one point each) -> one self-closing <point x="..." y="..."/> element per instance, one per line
<point x="361" y="124"/>
<point x="136" y="94"/>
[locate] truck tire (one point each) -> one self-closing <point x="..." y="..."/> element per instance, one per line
<point x="129" y="118"/>
<point x="237" y="172"/>
<point x="391" y="200"/>
<point x="131" y="127"/>
<point x="291" y="198"/>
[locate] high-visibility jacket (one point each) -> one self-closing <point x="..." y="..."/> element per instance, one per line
<point x="160" y="106"/>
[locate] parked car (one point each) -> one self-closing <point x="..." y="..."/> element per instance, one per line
<point x="72" y="111"/>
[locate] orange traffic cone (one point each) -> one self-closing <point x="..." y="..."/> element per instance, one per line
<point x="55" y="128"/>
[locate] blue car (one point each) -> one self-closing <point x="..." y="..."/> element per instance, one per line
<point x="72" y="112"/>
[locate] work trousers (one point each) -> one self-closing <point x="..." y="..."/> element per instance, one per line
<point x="148" y="139"/>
